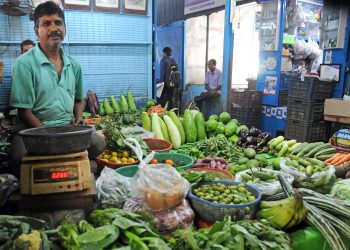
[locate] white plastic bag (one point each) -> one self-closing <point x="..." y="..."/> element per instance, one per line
<point x="159" y="186"/>
<point x="317" y="180"/>
<point x="113" y="189"/>
<point x="267" y="188"/>
<point x="166" y="222"/>
<point x="137" y="130"/>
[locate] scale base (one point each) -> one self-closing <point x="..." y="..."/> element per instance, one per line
<point x="55" y="173"/>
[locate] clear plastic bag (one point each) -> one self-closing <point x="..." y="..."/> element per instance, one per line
<point x="166" y="222"/>
<point x="113" y="189"/>
<point x="325" y="178"/>
<point x="267" y="188"/>
<point x="8" y="184"/>
<point x="137" y="130"/>
<point x="159" y="186"/>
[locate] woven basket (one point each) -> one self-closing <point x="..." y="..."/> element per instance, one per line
<point x="212" y="212"/>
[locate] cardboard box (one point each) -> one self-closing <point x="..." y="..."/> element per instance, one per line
<point x="337" y="110"/>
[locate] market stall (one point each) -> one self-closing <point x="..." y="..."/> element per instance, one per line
<point x="172" y="182"/>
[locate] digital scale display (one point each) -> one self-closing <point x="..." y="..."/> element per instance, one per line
<point x="55" y="174"/>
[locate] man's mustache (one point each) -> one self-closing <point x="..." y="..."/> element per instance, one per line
<point x="55" y="34"/>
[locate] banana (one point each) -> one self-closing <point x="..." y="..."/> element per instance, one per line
<point x="284" y="213"/>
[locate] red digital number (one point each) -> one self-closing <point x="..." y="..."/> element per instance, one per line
<point x="59" y="175"/>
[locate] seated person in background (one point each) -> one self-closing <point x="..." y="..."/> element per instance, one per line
<point x="27" y="45"/>
<point x="212" y="84"/>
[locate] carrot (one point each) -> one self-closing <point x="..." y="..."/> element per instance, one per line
<point x="333" y="157"/>
<point x="336" y="158"/>
<point x="344" y="159"/>
<point x="341" y="159"/>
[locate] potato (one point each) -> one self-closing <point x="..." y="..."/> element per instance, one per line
<point x="347" y="175"/>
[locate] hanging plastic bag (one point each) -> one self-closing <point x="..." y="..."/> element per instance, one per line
<point x="159" y="186"/>
<point x="179" y="217"/>
<point x="320" y="181"/>
<point x="113" y="189"/>
<point x="267" y="188"/>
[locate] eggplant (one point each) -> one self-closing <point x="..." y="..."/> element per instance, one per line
<point x="239" y="143"/>
<point x="243" y="133"/>
<point x="251" y="140"/>
<point x="254" y="131"/>
<point x="266" y="136"/>
<point x="253" y="147"/>
<point x="244" y="145"/>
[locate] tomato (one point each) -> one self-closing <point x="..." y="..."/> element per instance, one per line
<point x="169" y="162"/>
<point x="154" y="161"/>
<point x="203" y="224"/>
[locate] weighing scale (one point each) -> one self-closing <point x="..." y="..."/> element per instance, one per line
<point x="55" y="173"/>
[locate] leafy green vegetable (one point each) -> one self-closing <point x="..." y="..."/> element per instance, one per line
<point x="98" y="238"/>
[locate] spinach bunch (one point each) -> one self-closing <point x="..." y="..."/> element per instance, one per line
<point x="226" y="234"/>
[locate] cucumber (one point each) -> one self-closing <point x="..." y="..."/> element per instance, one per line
<point x="164" y="129"/>
<point x="290" y="149"/>
<point x="283" y="150"/>
<point x="190" y="127"/>
<point x="146" y="121"/>
<point x="173" y="132"/>
<point x="156" y="126"/>
<point x="317" y="149"/>
<point x="309" y="147"/>
<point x="299" y="148"/>
<point x="324" y="157"/>
<point x="278" y="140"/>
<point x="280" y="145"/>
<point x="326" y="151"/>
<point x="316" y="162"/>
<point x="200" y="126"/>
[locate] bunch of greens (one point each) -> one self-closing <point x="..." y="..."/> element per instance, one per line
<point x="195" y="177"/>
<point x="115" y="139"/>
<point x="226" y="234"/>
<point x="136" y="230"/>
<point x="115" y="229"/>
<point x="217" y="146"/>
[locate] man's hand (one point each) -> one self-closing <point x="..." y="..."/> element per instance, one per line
<point x="77" y="121"/>
<point x="27" y="116"/>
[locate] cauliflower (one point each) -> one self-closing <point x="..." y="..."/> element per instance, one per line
<point x="32" y="240"/>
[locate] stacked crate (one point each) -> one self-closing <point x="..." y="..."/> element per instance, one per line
<point x="246" y="106"/>
<point x="305" y="109"/>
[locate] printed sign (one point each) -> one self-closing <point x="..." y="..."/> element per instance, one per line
<point x="193" y="6"/>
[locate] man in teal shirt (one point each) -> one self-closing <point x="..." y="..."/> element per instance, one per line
<point x="47" y="85"/>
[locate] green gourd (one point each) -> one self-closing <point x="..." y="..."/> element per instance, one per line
<point x="131" y="102"/>
<point x="115" y="105"/>
<point x="200" y="126"/>
<point x="190" y="127"/>
<point x="178" y="124"/>
<point x="146" y="121"/>
<point x="101" y="110"/>
<point x="164" y="129"/>
<point x="109" y="110"/>
<point x="123" y="103"/>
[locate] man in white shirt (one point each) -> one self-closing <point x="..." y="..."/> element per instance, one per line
<point x="212" y="84"/>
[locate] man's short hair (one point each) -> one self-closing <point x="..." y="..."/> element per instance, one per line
<point x="47" y="8"/>
<point x="167" y="50"/>
<point x="213" y="61"/>
<point x="27" y="42"/>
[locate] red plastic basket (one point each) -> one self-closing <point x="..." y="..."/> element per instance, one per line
<point x="158" y="145"/>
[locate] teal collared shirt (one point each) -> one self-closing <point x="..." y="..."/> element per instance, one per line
<point x="36" y="86"/>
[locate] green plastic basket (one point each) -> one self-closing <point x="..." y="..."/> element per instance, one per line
<point x="182" y="161"/>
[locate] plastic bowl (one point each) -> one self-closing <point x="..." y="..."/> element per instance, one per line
<point x="221" y="174"/>
<point x="182" y="161"/>
<point x="212" y="211"/>
<point x="158" y="145"/>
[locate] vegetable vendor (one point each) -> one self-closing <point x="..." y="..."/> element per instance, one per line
<point x="47" y="86"/>
<point x="212" y="84"/>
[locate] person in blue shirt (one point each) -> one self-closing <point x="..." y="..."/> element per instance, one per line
<point x="170" y="93"/>
<point x="212" y="84"/>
